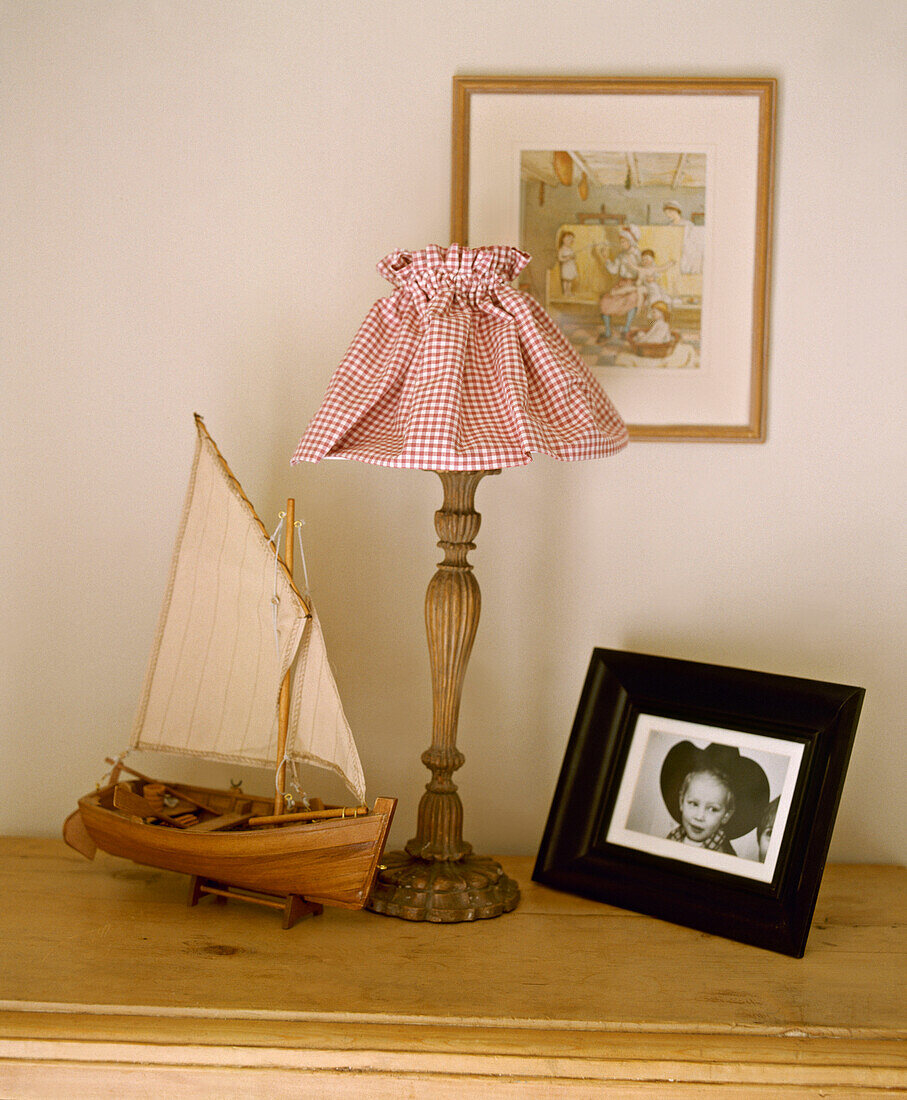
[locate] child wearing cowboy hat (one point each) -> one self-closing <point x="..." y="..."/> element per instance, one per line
<point x="714" y="794"/>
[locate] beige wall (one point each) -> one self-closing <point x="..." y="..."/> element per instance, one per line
<point x="194" y="197"/>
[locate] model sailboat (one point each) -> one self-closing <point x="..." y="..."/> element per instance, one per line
<point x="239" y="674"/>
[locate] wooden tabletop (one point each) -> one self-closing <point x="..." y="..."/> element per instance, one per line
<point x="104" y="971"/>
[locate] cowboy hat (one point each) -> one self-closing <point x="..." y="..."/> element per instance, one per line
<point x="746" y="778"/>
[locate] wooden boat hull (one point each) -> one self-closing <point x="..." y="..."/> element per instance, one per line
<point x="333" y="862"/>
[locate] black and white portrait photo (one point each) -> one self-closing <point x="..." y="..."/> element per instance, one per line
<point x="715" y="797"/>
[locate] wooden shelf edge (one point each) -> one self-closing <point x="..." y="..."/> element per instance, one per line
<point x="96" y="1020"/>
<point x="768" y="1065"/>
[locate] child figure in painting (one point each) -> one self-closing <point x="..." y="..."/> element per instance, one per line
<point x="649" y="273"/>
<point x="714" y="794"/>
<point x="566" y="258"/>
<point x="659" y="330"/>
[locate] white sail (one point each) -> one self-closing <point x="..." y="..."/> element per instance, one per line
<point x="319" y="732"/>
<point x="231" y="627"/>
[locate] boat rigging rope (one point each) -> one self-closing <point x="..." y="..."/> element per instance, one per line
<point x="288" y="765"/>
<point x="275" y="599"/>
<point x="299" y="524"/>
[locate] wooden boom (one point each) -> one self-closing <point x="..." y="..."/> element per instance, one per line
<point x="310" y="815"/>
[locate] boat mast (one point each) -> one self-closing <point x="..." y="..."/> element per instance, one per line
<point x="284" y="713"/>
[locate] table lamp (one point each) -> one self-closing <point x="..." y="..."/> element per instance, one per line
<point x="459" y="373"/>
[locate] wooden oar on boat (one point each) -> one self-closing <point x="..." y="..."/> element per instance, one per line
<point x="310" y="815"/>
<point x="170" y="790"/>
<point x="132" y="803"/>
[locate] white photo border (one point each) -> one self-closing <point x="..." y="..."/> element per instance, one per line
<point x="647" y="724"/>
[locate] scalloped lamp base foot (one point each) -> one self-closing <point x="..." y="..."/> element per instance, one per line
<point x="443" y="891"/>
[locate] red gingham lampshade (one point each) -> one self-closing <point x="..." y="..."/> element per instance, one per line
<point x="456" y="370"/>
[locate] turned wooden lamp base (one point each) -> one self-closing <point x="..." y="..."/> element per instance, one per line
<point x="438" y="878"/>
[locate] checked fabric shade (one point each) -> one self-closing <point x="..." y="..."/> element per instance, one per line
<point x="456" y="370"/>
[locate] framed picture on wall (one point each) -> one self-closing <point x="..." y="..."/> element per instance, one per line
<point x="645" y="206"/>
<point x="701" y="794"/>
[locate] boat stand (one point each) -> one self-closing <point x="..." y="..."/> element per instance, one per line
<point x="293" y="906"/>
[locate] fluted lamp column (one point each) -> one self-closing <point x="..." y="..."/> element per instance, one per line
<point x="438" y="877"/>
<point x="458" y="373"/>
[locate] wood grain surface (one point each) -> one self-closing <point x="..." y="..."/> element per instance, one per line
<point x="108" y="981"/>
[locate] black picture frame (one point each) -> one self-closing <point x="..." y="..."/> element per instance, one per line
<point x="634" y="706"/>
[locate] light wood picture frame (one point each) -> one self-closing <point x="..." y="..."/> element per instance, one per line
<point x="646" y="206"/>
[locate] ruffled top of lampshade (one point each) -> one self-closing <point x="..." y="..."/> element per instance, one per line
<point x="456" y="370"/>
